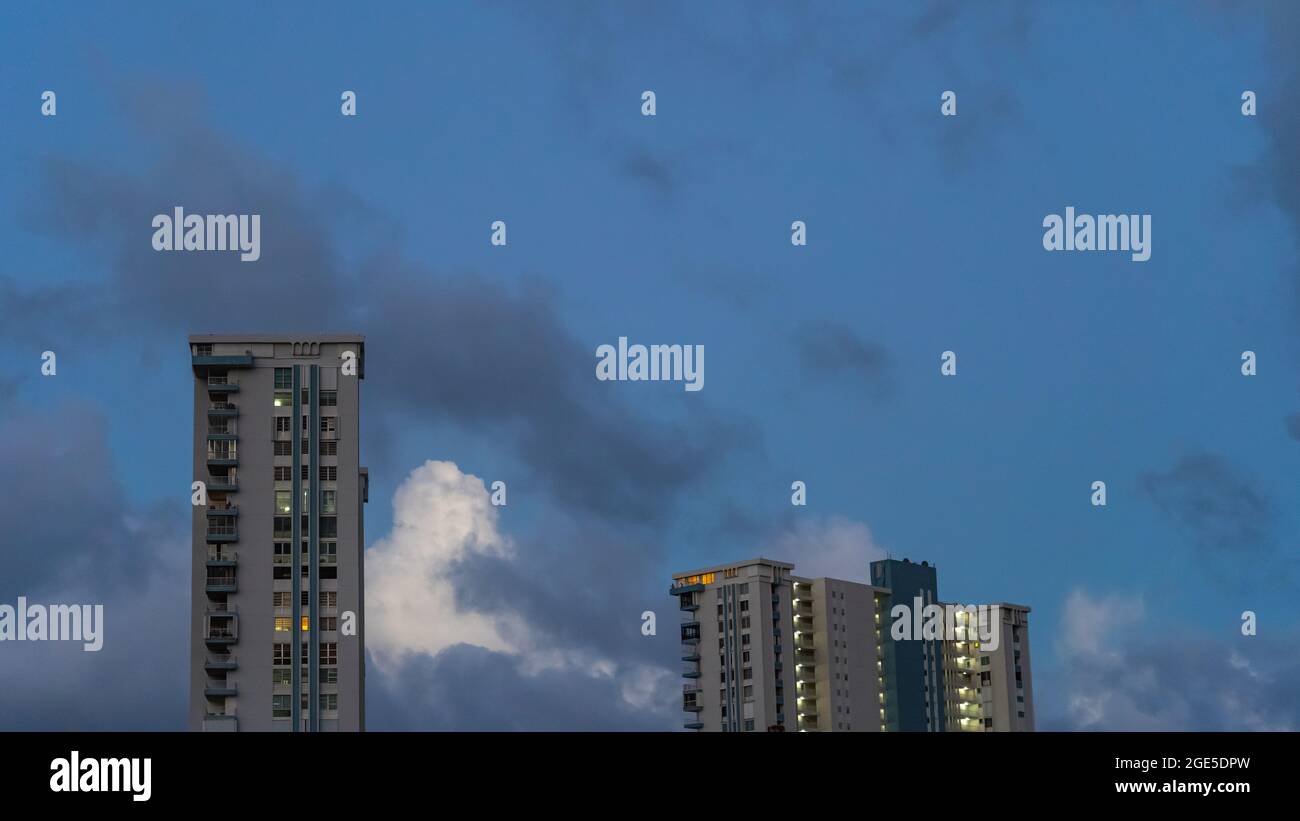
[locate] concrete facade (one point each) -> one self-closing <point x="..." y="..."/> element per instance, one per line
<point x="278" y="645"/>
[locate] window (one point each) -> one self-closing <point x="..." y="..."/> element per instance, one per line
<point x="329" y="701"/>
<point x="283" y="624"/>
<point x="329" y="527"/>
<point x="744" y="639"/>
<point x="329" y="399"/>
<point x="329" y="598"/>
<point x="328" y="501"/>
<point x="328" y="623"/>
<point x="748" y="691"/>
<point x="284" y="501"/>
<point x="329" y="553"/>
<point x="284" y="379"/>
<point x="329" y="675"/>
<point x="282" y="599"/>
<point x="281" y="656"/>
<point x="749" y="725"/>
<point x="329" y="447"/>
<point x="748" y="673"/>
<point x="280" y="706"/>
<point x="284" y="448"/>
<point x="283" y="424"/>
<point x="744" y="605"/>
<point x="280" y="676"/>
<point x="283" y="473"/>
<point x="203" y="350"/>
<point x="329" y="424"/>
<point x="282" y="399"/>
<point x="306" y="473"/>
<point x="283" y="526"/>
<point x="281" y="555"/>
<point x="329" y="473"/>
<point x="744" y="622"/>
<point x="329" y="653"/>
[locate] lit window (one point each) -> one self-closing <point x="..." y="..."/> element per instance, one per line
<point x="282" y="624"/>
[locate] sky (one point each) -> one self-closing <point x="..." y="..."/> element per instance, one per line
<point x="924" y="235"/>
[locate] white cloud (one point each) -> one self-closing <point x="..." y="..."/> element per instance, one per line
<point x="832" y="546"/>
<point x="440" y="516"/>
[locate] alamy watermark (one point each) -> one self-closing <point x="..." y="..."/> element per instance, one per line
<point x="54" y="622"/>
<point x="1104" y="232"/>
<point x="654" y="363"/>
<point x="947" y="622"/>
<point x="209" y="232"/>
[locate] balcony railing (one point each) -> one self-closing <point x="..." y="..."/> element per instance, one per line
<point x="221" y="607"/>
<point x="223" y="556"/>
<point x="228" y="482"/>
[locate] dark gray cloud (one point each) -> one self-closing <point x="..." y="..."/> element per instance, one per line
<point x="62" y="507"/>
<point x="1224" y="511"/>
<point x="643" y="165"/>
<point x="831" y="351"/>
<point x="470" y="688"/>
<point x="1125" y="674"/>
<point x="580" y="587"/>
<point x="1292" y="423"/>
<point x="71" y="538"/>
<point x="494" y="359"/>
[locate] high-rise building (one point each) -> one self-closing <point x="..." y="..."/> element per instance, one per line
<point x="850" y="672"/>
<point x="277" y="636"/>
<point x="914" y="671"/>
<point x="989" y="682"/>
<point x="736" y="644"/>
<point x="839" y="662"/>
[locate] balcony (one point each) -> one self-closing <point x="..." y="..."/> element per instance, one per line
<point x="694" y="725"/>
<point x="222" y="690"/>
<point x="222" y="558"/>
<point x="804" y="641"/>
<point x="690" y="632"/>
<point x="689" y="603"/>
<point x="222" y="584"/>
<point x="228" y="482"/>
<point x="223" y="457"/>
<point x="207" y="360"/>
<point x="681" y="589"/>
<point x="221" y="384"/>
<point x="223" y="509"/>
<point x="220" y="662"/>
<point x="223" y="410"/>
<point x="220" y="723"/>
<point x="221" y="533"/>
<point x="690" y="653"/>
<point x="691" y="672"/>
<point x="217" y="636"/>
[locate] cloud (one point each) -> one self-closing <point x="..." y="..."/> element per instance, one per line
<point x="1292" y="423"/>
<point x="830" y="351"/>
<point x="1123" y="673"/>
<point x="440" y="516"/>
<point x="72" y="538"/>
<point x="832" y="546"/>
<point x="520" y="374"/>
<point x="1224" y="511"/>
<point x="468" y="630"/>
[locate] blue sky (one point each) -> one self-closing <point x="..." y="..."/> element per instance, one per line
<point x="924" y="235"/>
